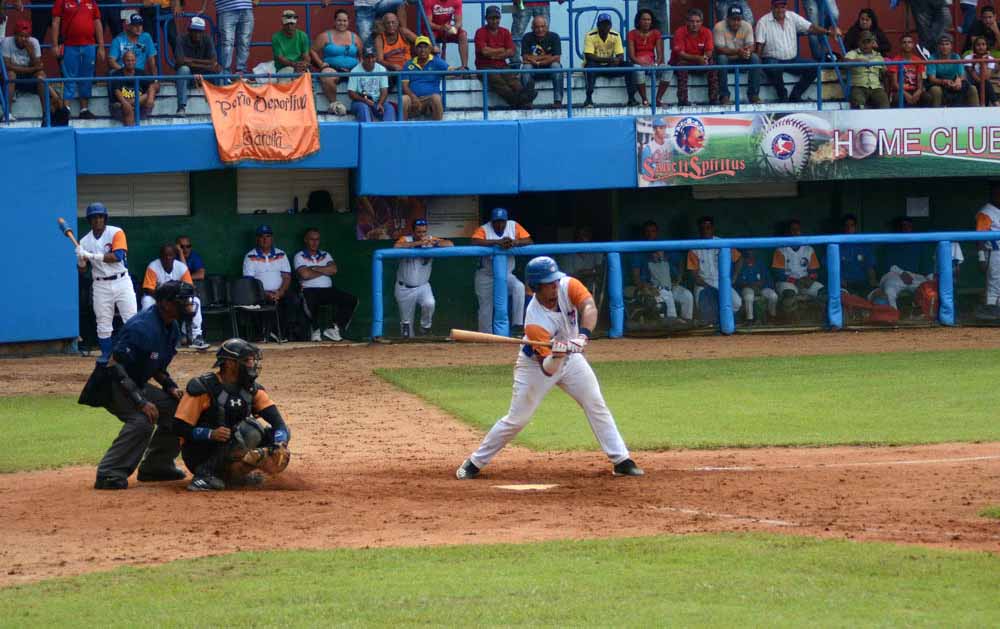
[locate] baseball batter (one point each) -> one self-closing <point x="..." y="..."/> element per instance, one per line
<point x="413" y="280"/>
<point x="562" y="311"/>
<point x="105" y="248"/>
<point x="162" y="270"/>
<point x="797" y="268"/>
<point x="506" y="234"/>
<point x="988" y="219"/>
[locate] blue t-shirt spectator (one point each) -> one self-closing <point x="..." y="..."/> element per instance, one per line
<point x="945" y="71"/>
<point x="423" y="84"/>
<point x="855" y="260"/>
<point x="143" y="47"/>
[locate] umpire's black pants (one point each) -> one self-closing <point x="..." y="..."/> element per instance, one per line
<point x="138" y="434"/>
<point x="343" y="305"/>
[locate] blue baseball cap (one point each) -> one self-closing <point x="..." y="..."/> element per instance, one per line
<point x="420" y="222"/>
<point x="264" y="230"/>
<point x="659" y="122"/>
<point x="603" y="17"/>
<point x="498" y="214"/>
<point x="135" y="18"/>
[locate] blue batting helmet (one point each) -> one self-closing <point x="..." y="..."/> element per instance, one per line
<point x="542" y="270"/>
<point x="97" y="209"/>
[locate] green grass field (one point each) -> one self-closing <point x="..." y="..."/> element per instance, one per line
<point x="699" y="580"/>
<point x="991" y="512"/>
<point x="898" y="398"/>
<point x="51" y="431"/>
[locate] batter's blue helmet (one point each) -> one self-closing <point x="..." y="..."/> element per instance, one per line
<point x="97" y="209"/>
<point x="542" y="270"/>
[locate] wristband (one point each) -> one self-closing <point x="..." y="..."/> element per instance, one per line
<point x="201" y="433"/>
<point x="586" y="332"/>
<point x="280" y="436"/>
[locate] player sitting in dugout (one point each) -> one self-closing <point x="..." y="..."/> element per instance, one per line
<point x="225" y="443"/>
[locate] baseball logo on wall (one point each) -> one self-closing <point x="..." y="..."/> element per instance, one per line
<point x="793" y="143"/>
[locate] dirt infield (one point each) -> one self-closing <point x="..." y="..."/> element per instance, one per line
<point x="373" y="467"/>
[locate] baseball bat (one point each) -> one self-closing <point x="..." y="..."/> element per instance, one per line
<point x="468" y="336"/>
<point x="68" y="231"/>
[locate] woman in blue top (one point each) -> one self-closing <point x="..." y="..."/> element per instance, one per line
<point x="340" y="50"/>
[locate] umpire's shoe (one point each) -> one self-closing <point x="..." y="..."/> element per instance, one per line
<point x="108" y="482"/>
<point x="627" y="468"/>
<point x="466" y="471"/>
<point x="206" y="483"/>
<point x="161" y="475"/>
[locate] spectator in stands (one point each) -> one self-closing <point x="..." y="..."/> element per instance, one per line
<point x="986" y="26"/>
<point x="829" y="18"/>
<point x="867" y="22"/>
<point x="22" y="55"/>
<point x="752" y="280"/>
<point x="315" y="269"/>
<point x="983" y="73"/>
<point x="140" y="43"/>
<point x="602" y="48"/>
<point x="796" y="269"/>
<point x="422" y="92"/>
<point x="446" y="26"/>
<point x="123" y="101"/>
<point x="235" y="18"/>
<point x="167" y="7"/>
<point x="194" y="53"/>
<point x="541" y="48"/>
<point x="645" y="49"/>
<point x="523" y="14"/>
<point x="703" y="265"/>
<point x="722" y="10"/>
<point x="494" y="45"/>
<point x="337" y="50"/>
<point x="949" y="87"/>
<point x="857" y="262"/>
<point x="933" y="18"/>
<point x="778" y="42"/>
<point x="392" y="47"/>
<point x="290" y="46"/>
<point x="733" y="39"/>
<point x="367" y="11"/>
<point x="658" y="9"/>
<point x="190" y="257"/>
<point x="914" y="75"/>
<point x="968" y="8"/>
<point x="79" y="42"/>
<point x="693" y="46"/>
<point x="369" y="94"/>
<point x="269" y="264"/>
<point x="651" y="275"/>
<point x="867" y="91"/>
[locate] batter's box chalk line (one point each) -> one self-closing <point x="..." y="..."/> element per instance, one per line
<point x="742" y="519"/>
<point x="764" y="468"/>
<point x="525" y="487"/>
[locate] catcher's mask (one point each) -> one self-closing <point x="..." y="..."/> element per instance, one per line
<point x="246" y="354"/>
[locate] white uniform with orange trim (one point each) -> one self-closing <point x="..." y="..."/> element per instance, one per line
<point x="413" y="288"/>
<point x="797" y="263"/>
<point x="988" y="220"/>
<point x="157" y="275"/>
<point x="892" y="284"/>
<point x="112" y="287"/>
<point x="574" y="376"/>
<point x="484" y="277"/>
<point x="705" y="264"/>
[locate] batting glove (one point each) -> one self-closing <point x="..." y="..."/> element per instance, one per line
<point x="80" y="253"/>
<point x="577" y="344"/>
<point x="560" y="347"/>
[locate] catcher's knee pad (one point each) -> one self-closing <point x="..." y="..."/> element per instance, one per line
<point x="251" y="433"/>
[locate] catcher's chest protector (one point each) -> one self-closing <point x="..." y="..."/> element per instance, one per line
<point x="229" y="408"/>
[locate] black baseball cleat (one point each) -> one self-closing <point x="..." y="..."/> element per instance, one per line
<point x="163" y="475"/>
<point x="206" y="483"/>
<point x="466" y="471"/>
<point x="108" y="482"/>
<point x="627" y="468"/>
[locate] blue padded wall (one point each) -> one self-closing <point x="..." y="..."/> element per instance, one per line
<point x="576" y="153"/>
<point x="39" y="184"/>
<point x="444" y="158"/>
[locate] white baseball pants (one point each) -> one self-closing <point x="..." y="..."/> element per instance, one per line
<point x="109" y="295"/>
<point x="678" y="298"/>
<point x="484" y="292"/>
<point x="576" y="378"/>
<point x="993" y="278"/>
<point x="749" y="294"/>
<point x="408" y="299"/>
<point x="148" y="302"/>
<point x="812" y="291"/>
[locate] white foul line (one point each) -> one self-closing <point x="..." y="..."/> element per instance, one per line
<point x="762" y="468"/>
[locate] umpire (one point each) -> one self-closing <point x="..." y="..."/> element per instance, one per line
<point x="143" y="350"/>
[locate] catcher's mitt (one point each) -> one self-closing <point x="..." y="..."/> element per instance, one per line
<point x="271" y="460"/>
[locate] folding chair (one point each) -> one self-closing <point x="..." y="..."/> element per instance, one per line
<point x="246" y="295"/>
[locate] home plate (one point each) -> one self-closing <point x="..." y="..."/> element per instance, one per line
<point x="527" y="487"/>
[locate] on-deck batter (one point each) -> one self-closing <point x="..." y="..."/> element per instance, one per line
<point x="562" y="311"/>
<point x="105" y="248"/>
<point x="413" y="280"/>
<point x="506" y="234"/>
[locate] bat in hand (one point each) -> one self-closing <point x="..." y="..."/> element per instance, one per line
<point x="468" y="336"/>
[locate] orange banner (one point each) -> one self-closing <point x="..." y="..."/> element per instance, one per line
<point x="272" y="123"/>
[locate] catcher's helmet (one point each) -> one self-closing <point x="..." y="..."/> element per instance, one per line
<point x="97" y="209"/>
<point x="236" y="349"/>
<point x="542" y="270"/>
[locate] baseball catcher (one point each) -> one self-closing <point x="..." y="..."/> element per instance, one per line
<point x="232" y="431"/>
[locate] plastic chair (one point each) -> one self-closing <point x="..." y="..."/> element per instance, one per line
<point x="246" y="294"/>
<point x="214" y="297"/>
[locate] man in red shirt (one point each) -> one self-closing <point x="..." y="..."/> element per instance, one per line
<point x="446" y="26"/>
<point x="494" y="45"/>
<point x="914" y="75"/>
<point x="693" y="46"/>
<point x="78" y="22"/>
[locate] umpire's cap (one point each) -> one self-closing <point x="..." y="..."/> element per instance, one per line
<point x="542" y="270"/>
<point x="236" y="349"/>
<point x="174" y="290"/>
<point x="96" y="209"/>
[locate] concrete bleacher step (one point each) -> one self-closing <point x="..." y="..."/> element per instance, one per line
<point x="463" y="102"/>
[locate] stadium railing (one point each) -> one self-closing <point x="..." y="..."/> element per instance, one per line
<point x="615" y="276"/>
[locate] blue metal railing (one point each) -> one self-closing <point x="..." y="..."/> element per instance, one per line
<point x="615" y="281"/>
